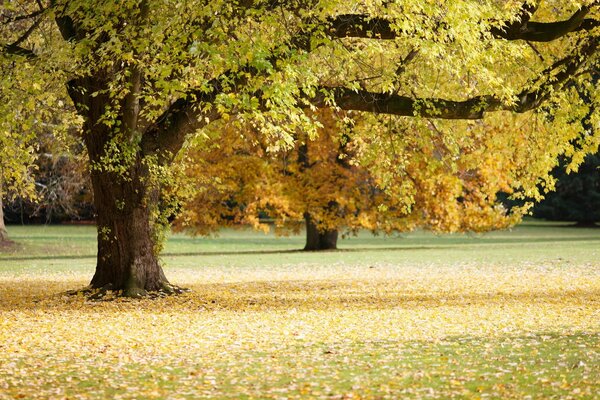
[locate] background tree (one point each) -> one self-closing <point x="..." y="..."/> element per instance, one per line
<point x="576" y="196"/>
<point x="144" y="75"/>
<point x="376" y="173"/>
<point x="315" y="179"/>
<point x="3" y="231"/>
<point x="27" y="118"/>
<point x="61" y="183"/>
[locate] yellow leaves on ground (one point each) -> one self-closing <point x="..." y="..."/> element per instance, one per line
<point x="375" y="332"/>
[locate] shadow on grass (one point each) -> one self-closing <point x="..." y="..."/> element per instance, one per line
<point x="296" y="295"/>
<point x="455" y="244"/>
<point x="308" y="295"/>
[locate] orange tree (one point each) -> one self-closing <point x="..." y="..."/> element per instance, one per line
<point x="356" y="173"/>
<point x="315" y="179"/>
<point x="145" y="76"/>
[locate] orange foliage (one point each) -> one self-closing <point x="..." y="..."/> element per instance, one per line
<point x="348" y="176"/>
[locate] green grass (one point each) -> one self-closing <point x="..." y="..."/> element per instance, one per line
<point x="531" y="242"/>
<point x="511" y="314"/>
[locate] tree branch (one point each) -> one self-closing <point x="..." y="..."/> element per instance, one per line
<point x="15" y="47"/>
<point x="166" y="136"/>
<point x="27" y="33"/>
<point x="363" y="26"/>
<point x="528" y="99"/>
<point x="11" y="49"/>
<point x="546" y="31"/>
<point x="8" y="19"/>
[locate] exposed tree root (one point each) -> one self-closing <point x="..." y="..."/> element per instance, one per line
<point x="108" y="293"/>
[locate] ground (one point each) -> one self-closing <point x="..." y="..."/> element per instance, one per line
<point x="511" y="314"/>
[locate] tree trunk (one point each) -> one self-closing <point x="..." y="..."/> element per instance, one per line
<point x="3" y="231"/>
<point x="585" y="224"/>
<point x="319" y="240"/>
<point x="126" y="200"/>
<point x="127" y="239"/>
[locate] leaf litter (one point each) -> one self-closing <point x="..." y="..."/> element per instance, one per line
<point x="470" y="331"/>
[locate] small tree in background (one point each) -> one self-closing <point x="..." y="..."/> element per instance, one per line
<point x="61" y="183"/>
<point x="316" y="180"/>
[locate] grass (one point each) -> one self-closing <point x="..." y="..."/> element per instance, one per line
<point x="511" y="314"/>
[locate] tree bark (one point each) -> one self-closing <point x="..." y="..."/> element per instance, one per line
<point x="127" y="257"/>
<point x="3" y="232"/>
<point x="319" y="240"/>
<point x="126" y="201"/>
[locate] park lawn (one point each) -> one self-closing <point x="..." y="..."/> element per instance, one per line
<point x="512" y="314"/>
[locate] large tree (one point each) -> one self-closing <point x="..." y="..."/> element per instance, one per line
<point x="144" y="75"/>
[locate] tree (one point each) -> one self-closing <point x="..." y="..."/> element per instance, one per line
<point x="313" y="179"/>
<point x="17" y="140"/>
<point x="145" y="75"/>
<point x="577" y="190"/>
<point x="351" y="176"/>
<point x="3" y="231"/>
<point x="61" y="184"/>
<point x="577" y="194"/>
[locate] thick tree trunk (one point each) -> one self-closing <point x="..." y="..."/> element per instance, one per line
<point x="126" y="200"/>
<point x="319" y="240"/>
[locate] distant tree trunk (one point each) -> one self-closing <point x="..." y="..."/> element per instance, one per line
<point x="3" y="231"/>
<point x="319" y="240"/>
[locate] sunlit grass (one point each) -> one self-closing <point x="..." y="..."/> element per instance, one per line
<point x="503" y="315"/>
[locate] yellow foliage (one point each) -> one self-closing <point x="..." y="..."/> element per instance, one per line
<point x="250" y="332"/>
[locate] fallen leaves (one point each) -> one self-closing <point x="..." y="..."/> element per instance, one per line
<point x="385" y="332"/>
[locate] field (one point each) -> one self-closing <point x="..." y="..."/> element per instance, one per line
<point x="512" y="314"/>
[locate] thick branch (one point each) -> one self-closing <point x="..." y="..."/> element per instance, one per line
<point x="166" y="136"/>
<point x="546" y="31"/>
<point x="363" y="100"/>
<point x="363" y="26"/>
<point x="529" y="98"/>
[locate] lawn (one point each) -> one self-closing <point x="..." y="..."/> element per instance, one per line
<point x="512" y="314"/>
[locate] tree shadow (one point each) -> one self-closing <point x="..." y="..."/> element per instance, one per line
<point x="456" y="244"/>
<point x="316" y="295"/>
<point x="302" y="296"/>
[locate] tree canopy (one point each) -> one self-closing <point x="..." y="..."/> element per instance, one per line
<point x="360" y="173"/>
